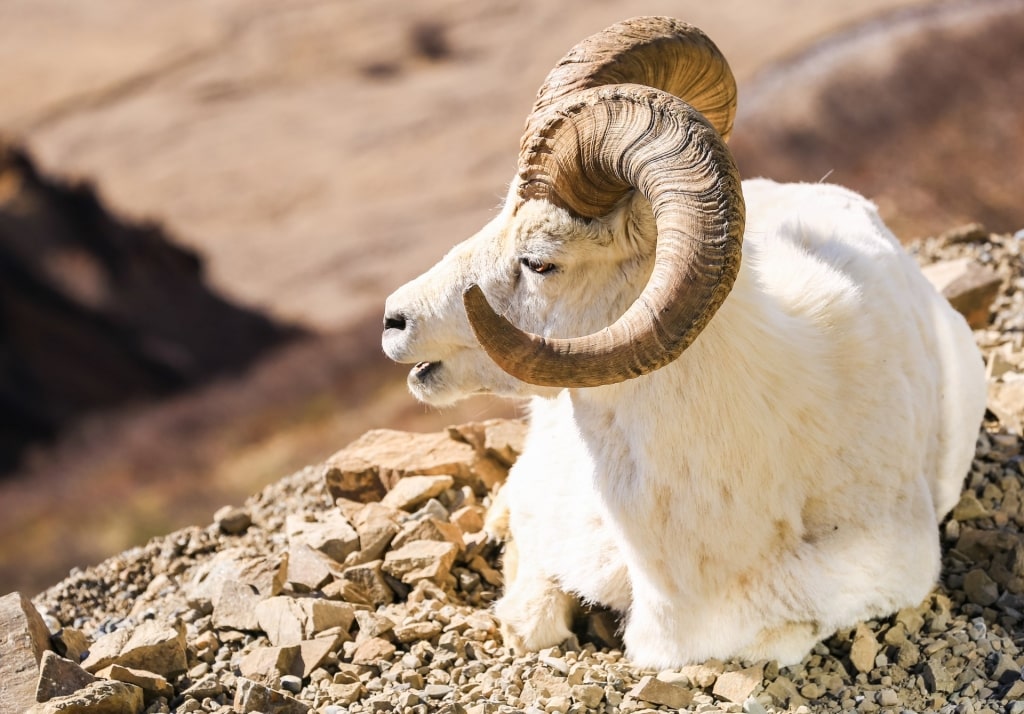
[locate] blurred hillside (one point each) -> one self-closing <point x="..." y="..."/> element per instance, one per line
<point x="313" y="156"/>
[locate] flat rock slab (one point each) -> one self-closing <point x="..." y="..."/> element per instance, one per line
<point x="23" y="639"/>
<point x="266" y="665"/>
<point x="152" y="685"/>
<point x="737" y="686"/>
<point x="254" y="697"/>
<point x="289" y="621"/>
<point x="421" y="560"/>
<point x="103" y="696"/>
<point x="653" y="690"/>
<point x="969" y="286"/>
<point x="266" y="574"/>
<point x="152" y="646"/>
<point x="59" y="677"/>
<point x="413" y="491"/>
<point x="331" y="534"/>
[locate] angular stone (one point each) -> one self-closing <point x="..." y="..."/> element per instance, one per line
<point x="499" y="439"/>
<point x="1006" y="401"/>
<point x="208" y="686"/>
<point x="346" y="693"/>
<point x="23" y="639"/>
<point x="421" y="560"/>
<point x="372" y="650"/>
<point x="288" y="621"/>
<point x="59" y="677"/>
<point x="784" y="693"/>
<point x="376" y="525"/>
<point x="252" y="696"/>
<point x="1015" y="692"/>
<point x="908" y="655"/>
<point x="469" y="519"/>
<point x="367" y="468"/>
<point x="347" y="592"/>
<point x="411" y="492"/>
<point x="266" y="664"/>
<point x="436" y="691"/>
<point x="969" y="286"/>
<point x="310" y="569"/>
<point x="232" y="520"/>
<point x="896" y="635"/>
<point x="431" y="509"/>
<point x="911" y="619"/>
<point x="151" y="684"/>
<point x="372" y="624"/>
<point x="981" y="544"/>
<point x="429" y="529"/>
<point x="265" y="574"/>
<point x="703" y="675"/>
<point x="737" y="686"/>
<point x="155" y="647"/>
<point x="417" y="631"/>
<point x="235" y="607"/>
<point x="589" y="695"/>
<point x="282" y="619"/>
<point x="151" y="646"/>
<point x="1001" y="362"/>
<point x="937" y="678"/>
<point x="369" y="578"/>
<point x="332" y="535"/>
<point x="980" y="588"/>
<point x="653" y="690"/>
<point x="969" y="508"/>
<point x="489" y="574"/>
<point x="106" y="649"/>
<point x="104" y="696"/>
<point x="864" y="649"/>
<point x="312" y="652"/>
<point x="70" y="643"/>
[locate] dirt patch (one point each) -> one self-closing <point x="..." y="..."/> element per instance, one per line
<point x="917" y="112"/>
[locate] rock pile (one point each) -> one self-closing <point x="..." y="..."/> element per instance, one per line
<point x="363" y="585"/>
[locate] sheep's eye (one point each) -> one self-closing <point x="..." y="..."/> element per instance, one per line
<point x="537" y="266"/>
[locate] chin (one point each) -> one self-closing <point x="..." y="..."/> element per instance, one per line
<point x="442" y="384"/>
<point x="434" y="383"/>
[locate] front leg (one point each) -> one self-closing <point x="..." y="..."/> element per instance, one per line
<point x="534" y="612"/>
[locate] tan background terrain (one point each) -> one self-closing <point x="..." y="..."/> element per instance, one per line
<point x="315" y="155"/>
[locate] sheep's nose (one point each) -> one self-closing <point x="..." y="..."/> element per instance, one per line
<point x="394" y="321"/>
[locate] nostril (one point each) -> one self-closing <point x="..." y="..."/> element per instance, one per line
<point x="394" y="322"/>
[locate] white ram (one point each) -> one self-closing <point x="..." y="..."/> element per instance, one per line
<point x="799" y="423"/>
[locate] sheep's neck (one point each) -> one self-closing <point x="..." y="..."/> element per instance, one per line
<point x="669" y="466"/>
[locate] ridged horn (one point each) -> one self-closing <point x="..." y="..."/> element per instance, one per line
<point x="659" y="52"/>
<point x="589" y="151"/>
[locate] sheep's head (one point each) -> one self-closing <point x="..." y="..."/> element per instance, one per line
<point x="619" y="240"/>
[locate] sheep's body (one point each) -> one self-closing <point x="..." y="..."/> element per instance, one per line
<point x="740" y="455"/>
<point x="783" y="478"/>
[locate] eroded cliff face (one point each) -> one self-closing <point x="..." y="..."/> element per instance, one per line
<point x="96" y="311"/>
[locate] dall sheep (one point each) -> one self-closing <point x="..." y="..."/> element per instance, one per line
<point x="741" y="458"/>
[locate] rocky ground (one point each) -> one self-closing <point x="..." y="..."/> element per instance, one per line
<point x="363" y="585"/>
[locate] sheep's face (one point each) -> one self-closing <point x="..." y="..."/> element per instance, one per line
<point x="546" y="271"/>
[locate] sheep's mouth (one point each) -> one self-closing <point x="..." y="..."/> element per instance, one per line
<point x="422" y="370"/>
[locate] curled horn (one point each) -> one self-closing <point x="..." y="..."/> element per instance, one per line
<point x="589" y="141"/>
<point x="659" y="52"/>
